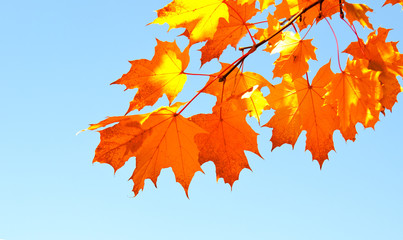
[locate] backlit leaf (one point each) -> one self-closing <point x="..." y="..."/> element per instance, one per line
<point x="162" y="75"/>
<point x="229" y="135"/>
<point x="300" y="106"/>
<point x="200" y="18"/>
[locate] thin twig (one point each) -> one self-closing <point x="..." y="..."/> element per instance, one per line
<point x="291" y="21"/>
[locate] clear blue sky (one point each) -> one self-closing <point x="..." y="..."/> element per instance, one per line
<point x="57" y="59"/>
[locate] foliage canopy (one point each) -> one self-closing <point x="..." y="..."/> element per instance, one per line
<point x="163" y="138"/>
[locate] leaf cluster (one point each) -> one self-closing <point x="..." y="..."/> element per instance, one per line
<point x="363" y="89"/>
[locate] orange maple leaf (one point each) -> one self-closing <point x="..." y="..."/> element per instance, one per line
<point x="200" y="18"/>
<point x="158" y="140"/>
<point x="299" y="106"/>
<point x="119" y="142"/>
<point x="288" y="8"/>
<point x="294" y="55"/>
<point x="162" y="75"/>
<point x="273" y="27"/>
<point x="355" y="93"/>
<point x="228" y="32"/>
<point x="229" y="135"/>
<point x="384" y="57"/>
<point x="235" y="86"/>
<point x="357" y="12"/>
<point x="265" y="4"/>
<point x="393" y="2"/>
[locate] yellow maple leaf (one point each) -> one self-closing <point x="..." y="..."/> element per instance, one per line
<point x="200" y="18"/>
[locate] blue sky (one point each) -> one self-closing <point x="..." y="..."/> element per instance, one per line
<point x="57" y="59"/>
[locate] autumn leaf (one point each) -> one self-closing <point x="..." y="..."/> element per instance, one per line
<point x="162" y="75"/>
<point x="200" y="18"/>
<point x="170" y="144"/>
<point x="288" y="8"/>
<point x="355" y="94"/>
<point x="294" y="55"/>
<point x="158" y="140"/>
<point x="230" y="31"/>
<point x="299" y="106"/>
<point x="254" y="102"/>
<point x="393" y="2"/>
<point x="384" y="57"/>
<point x="235" y="85"/>
<point x="229" y="135"/>
<point x="265" y="4"/>
<point x="390" y="89"/>
<point x="119" y="142"/>
<point x="273" y="27"/>
<point x="357" y="12"/>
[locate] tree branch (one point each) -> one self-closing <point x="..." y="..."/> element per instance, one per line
<point x="291" y="21"/>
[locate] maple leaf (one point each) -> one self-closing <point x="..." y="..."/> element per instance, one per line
<point x="263" y="3"/>
<point x="390" y="88"/>
<point x="229" y="135"/>
<point x="393" y="2"/>
<point x="119" y="142"/>
<point x="200" y="18"/>
<point x="254" y="102"/>
<point x="357" y="12"/>
<point x="162" y="75"/>
<point x="241" y="2"/>
<point x="170" y="144"/>
<point x="273" y="27"/>
<point x="294" y="55"/>
<point x="235" y="86"/>
<point x="299" y="106"/>
<point x="288" y="8"/>
<point x="384" y="57"/>
<point x="228" y="32"/>
<point x="158" y="140"/>
<point x="355" y="93"/>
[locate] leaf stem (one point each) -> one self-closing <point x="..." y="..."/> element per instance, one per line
<point x="257" y="23"/>
<point x="198" y="74"/>
<point x="295" y="29"/>
<point x="337" y="44"/>
<point x="356" y="34"/>
<point x="309" y="29"/>
<point x="307" y="80"/>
